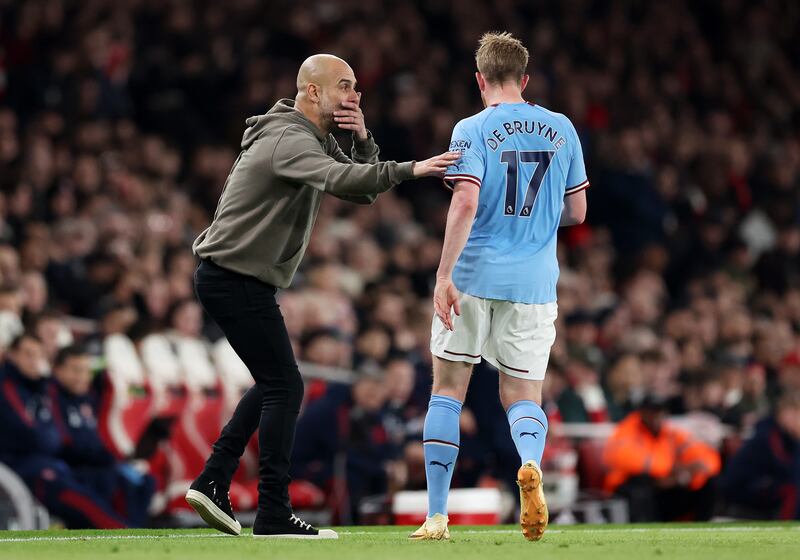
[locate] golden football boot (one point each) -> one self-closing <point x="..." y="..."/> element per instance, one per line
<point x="434" y="529"/>
<point x="532" y="505"/>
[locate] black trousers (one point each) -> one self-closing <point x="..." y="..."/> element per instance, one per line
<point x="648" y="502"/>
<point x="247" y="312"/>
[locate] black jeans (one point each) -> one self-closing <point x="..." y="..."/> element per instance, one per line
<point x="247" y="312"/>
<point x="648" y="502"/>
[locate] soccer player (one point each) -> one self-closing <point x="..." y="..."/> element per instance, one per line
<point x="520" y="177"/>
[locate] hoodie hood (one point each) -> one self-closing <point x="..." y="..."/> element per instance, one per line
<point x="282" y="112"/>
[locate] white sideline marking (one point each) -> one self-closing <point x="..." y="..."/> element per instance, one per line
<point x="116" y="537"/>
<point x="456" y="531"/>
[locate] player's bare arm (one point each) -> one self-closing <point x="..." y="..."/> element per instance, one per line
<point x="574" y="211"/>
<point x="459" y="224"/>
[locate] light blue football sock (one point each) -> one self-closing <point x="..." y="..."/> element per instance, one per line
<point x="440" y="439"/>
<point x="528" y="430"/>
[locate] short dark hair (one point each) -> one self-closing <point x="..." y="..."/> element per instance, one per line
<point x="177" y="306"/>
<point x="67" y="352"/>
<point x="652" y="355"/>
<point x="17" y="340"/>
<point x="8" y="288"/>
<point x="46" y="315"/>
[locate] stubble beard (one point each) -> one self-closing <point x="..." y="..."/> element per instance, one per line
<point x="326" y="117"/>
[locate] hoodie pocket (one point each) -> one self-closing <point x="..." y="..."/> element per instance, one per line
<point x="294" y="256"/>
<point x="285" y="261"/>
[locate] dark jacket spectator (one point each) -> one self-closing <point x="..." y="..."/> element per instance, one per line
<point x="350" y="432"/>
<point x="120" y="484"/>
<point x="26" y="414"/>
<point x="764" y="475"/>
<point x="31" y="440"/>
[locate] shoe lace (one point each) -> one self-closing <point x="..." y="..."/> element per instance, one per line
<point x="299" y="522"/>
<point x="218" y="495"/>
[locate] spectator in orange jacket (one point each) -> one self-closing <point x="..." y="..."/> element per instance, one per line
<point x="663" y="472"/>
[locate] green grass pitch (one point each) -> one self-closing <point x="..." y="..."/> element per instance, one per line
<point x="750" y="541"/>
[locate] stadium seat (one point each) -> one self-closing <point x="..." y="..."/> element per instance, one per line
<point x="193" y="356"/>
<point x="233" y="373"/>
<point x="188" y="448"/>
<point x="591" y="468"/>
<point x="126" y="402"/>
<point x="160" y="360"/>
<point x="465" y="506"/>
<point x="199" y="420"/>
<point x="166" y="377"/>
<point x="235" y="379"/>
<point x="122" y="360"/>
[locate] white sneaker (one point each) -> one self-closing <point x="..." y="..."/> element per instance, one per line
<point x="434" y="529"/>
<point x="533" y="515"/>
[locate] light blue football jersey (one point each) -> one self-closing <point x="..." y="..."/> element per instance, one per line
<point x="525" y="159"/>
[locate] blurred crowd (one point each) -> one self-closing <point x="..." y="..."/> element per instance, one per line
<point x="119" y="122"/>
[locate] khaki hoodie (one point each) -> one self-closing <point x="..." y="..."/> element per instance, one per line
<point x="271" y="197"/>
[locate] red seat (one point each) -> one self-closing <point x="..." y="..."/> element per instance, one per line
<point x="302" y="494"/>
<point x="591" y="468"/>
<point x="125" y="411"/>
<point x="190" y="444"/>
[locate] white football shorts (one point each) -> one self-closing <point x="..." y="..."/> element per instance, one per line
<point x="514" y="337"/>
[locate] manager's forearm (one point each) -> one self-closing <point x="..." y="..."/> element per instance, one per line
<point x="459" y="224"/>
<point x="302" y="161"/>
<point x="358" y="199"/>
<point x="365" y="150"/>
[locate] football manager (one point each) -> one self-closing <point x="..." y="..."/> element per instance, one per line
<point x="262" y="225"/>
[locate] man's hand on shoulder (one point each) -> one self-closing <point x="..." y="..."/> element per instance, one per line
<point x="435" y="166"/>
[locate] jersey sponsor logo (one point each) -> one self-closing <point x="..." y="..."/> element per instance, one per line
<point x="460" y="145"/>
<point x="533" y="434"/>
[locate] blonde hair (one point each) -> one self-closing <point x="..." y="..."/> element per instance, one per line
<point x="501" y="57"/>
